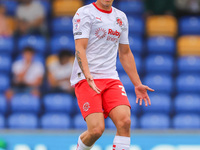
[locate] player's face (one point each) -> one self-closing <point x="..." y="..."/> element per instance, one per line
<point x="106" y="3"/>
<point x="28" y="56"/>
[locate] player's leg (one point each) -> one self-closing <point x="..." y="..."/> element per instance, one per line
<point x="117" y="106"/>
<point x="120" y="116"/>
<point x="90" y="104"/>
<point x="96" y="126"/>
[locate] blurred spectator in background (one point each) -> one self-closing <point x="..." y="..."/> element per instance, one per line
<point x="187" y="7"/>
<point x="59" y="71"/>
<point x="4" y="27"/>
<point x="27" y="74"/>
<point x="30" y="18"/>
<point x="159" y="7"/>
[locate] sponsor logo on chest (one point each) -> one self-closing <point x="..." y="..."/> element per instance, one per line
<point x="116" y="33"/>
<point x="101" y="33"/>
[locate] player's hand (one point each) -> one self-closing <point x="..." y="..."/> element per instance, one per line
<point x="91" y="83"/>
<point x="141" y="94"/>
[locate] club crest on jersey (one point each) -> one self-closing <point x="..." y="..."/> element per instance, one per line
<point x="86" y="106"/>
<point x="100" y="33"/>
<point x="119" y="21"/>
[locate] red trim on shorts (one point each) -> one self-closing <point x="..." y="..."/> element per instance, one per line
<point x="104" y="11"/>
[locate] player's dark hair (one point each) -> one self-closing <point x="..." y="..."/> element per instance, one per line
<point x="64" y="53"/>
<point x="28" y="49"/>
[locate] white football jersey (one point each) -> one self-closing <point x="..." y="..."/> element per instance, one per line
<point x="104" y="30"/>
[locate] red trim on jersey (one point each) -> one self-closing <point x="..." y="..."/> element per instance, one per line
<point x="104" y="11"/>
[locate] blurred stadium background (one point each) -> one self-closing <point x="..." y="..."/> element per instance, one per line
<point x="165" y="40"/>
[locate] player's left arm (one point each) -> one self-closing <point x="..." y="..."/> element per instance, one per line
<point x="128" y="62"/>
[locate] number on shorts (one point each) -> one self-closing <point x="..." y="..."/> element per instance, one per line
<point x="123" y="90"/>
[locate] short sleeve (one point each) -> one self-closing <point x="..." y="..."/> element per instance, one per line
<point x="81" y="24"/>
<point x="124" y="35"/>
<point x="17" y="67"/>
<point x="39" y="9"/>
<point x="19" y="12"/>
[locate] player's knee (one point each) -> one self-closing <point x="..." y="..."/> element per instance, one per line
<point x="97" y="132"/>
<point x="125" y="123"/>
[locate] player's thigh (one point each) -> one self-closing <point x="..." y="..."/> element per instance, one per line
<point x="88" y="100"/>
<point x="95" y="122"/>
<point x="120" y="115"/>
<point x="114" y="96"/>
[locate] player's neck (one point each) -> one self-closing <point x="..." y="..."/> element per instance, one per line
<point x="103" y="7"/>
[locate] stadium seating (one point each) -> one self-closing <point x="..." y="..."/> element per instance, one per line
<point x="25" y="103"/>
<point x="161" y="103"/>
<point x="22" y="121"/>
<point x="3" y="104"/>
<point x="6" y="45"/>
<point x="159" y="64"/>
<point x="37" y="42"/>
<point x="189" y="26"/>
<point x="136" y="25"/>
<point x="160" y="82"/>
<point x="11" y="24"/>
<point x="155" y="121"/>
<point x="10" y="6"/>
<point x="79" y="122"/>
<point x="186" y="121"/>
<point x="131" y="7"/>
<point x="161" y="45"/>
<point x="62" y="25"/>
<point x="128" y="85"/>
<point x="119" y="67"/>
<point x="58" y="103"/>
<point x="89" y="1"/>
<point x="188" y="45"/>
<point x="47" y="6"/>
<point x="2" y="122"/>
<point x="5" y="63"/>
<point x="189" y="103"/>
<point x="138" y="62"/>
<point x="136" y="44"/>
<point x="188" y="64"/>
<point x="4" y="82"/>
<point x="55" y="121"/>
<point x="62" y="42"/>
<point x="161" y="26"/>
<point x="109" y="123"/>
<point x="188" y="83"/>
<point x="135" y="109"/>
<point x="76" y="108"/>
<point x="66" y="7"/>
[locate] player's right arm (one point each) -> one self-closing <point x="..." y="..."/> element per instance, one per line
<point x="81" y="45"/>
<point x="81" y="29"/>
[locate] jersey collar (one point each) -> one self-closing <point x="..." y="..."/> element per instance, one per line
<point x="104" y="11"/>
